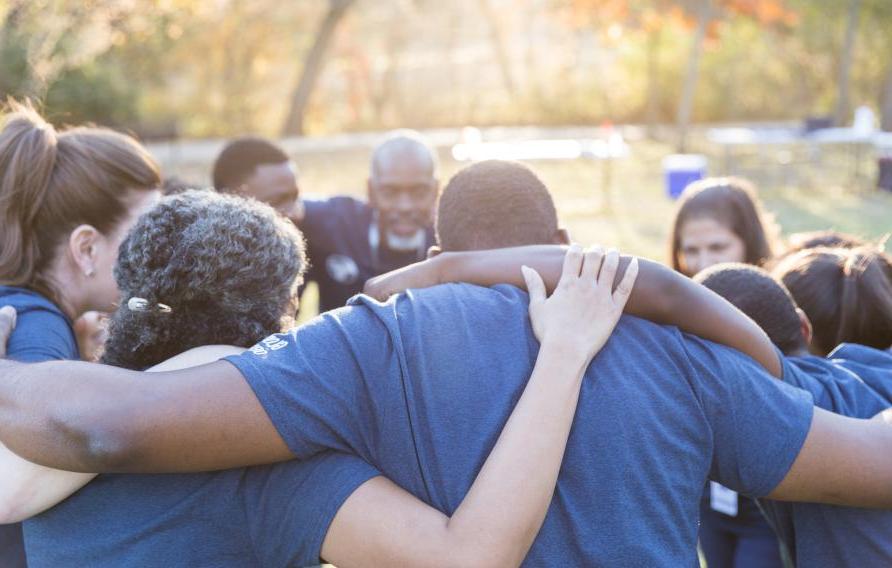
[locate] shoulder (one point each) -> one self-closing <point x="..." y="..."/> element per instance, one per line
<point x="42" y="332"/>
<point x="861" y="354"/>
<point x="341" y="205"/>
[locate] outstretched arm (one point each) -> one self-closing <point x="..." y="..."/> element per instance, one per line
<point x="844" y="461"/>
<point x="94" y="418"/>
<point x="496" y="523"/>
<point x="661" y="295"/>
<point x="28" y="489"/>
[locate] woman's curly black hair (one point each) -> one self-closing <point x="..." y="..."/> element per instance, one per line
<point x="228" y="267"/>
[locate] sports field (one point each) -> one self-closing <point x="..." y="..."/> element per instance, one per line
<point x="624" y="203"/>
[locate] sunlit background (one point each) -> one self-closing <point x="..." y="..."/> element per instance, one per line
<point x="647" y="78"/>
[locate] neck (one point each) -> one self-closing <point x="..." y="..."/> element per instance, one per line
<point x="799" y="352"/>
<point x="67" y="297"/>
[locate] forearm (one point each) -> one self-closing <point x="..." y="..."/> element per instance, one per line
<point x="27" y="489"/>
<point x="660" y="295"/>
<point x="95" y="418"/>
<point x="45" y="409"/>
<point x="844" y="461"/>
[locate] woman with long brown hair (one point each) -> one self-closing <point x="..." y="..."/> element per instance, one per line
<point x="722" y="220"/>
<point x="67" y="199"/>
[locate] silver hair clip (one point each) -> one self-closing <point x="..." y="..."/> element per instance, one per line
<point x="142" y="305"/>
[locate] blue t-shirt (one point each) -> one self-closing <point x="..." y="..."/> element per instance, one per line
<point x="422" y="385"/>
<point x="341" y="256"/>
<point x="266" y="516"/>
<point x="855" y="381"/>
<point x="42" y="333"/>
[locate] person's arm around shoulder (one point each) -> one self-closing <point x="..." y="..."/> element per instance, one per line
<point x="844" y="461"/>
<point x="496" y="523"/>
<point x="28" y="489"/>
<point x="661" y="294"/>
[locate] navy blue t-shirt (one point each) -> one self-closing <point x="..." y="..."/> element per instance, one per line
<point x="854" y="381"/>
<point x="422" y="385"/>
<point x="266" y="516"/>
<point x="341" y="256"/>
<point x="42" y="333"/>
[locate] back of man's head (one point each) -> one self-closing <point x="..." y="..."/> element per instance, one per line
<point x="495" y="204"/>
<point x="240" y="158"/>
<point x="765" y="300"/>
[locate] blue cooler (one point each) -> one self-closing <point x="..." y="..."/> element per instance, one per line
<point x="682" y="169"/>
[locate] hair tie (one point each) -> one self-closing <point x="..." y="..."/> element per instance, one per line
<point x="142" y="305"/>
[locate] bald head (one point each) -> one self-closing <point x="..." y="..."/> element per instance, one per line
<point x="403" y="188"/>
<point x="403" y="149"/>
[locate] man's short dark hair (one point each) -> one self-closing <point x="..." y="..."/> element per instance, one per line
<point x="495" y="204"/>
<point x="240" y="158"/>
<point x="765" y="300"/>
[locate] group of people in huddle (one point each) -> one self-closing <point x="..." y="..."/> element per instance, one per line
<point x="497" y="395"/>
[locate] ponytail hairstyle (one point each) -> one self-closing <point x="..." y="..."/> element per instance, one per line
<point x="203" y="268"/>
<point x="733" y="202"/>
<point x="846" y="293"/>
<point x="51" y="182"/>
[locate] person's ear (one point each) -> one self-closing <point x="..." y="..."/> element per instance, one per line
<point x="562" y="236"/>
<point x="433" y="251"/>
<point x="805" y="326"/>
<point x="82" y="245"/>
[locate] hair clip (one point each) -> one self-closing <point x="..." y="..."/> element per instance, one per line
<point x="142" y="305"/>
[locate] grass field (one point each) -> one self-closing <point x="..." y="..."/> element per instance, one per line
<point x="631" y="211"/>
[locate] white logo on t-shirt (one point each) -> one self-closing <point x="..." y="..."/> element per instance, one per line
<point x="342" y="268"/>
<point x="271" y="343"/>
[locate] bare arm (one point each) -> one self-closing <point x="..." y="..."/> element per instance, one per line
<point x="496" y="523"/>
<point x="661" y="295"/>
<point x="95" y="418"/>
<point x="28" y="489"/>
<point x="844" y="461"/>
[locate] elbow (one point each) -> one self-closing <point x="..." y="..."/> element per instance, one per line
<point x="92" y="445"/>
<point x="480" y="552"/>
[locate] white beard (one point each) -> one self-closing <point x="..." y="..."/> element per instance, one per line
<point x="404" y="244"/>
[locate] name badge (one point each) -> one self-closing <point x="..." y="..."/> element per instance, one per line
<point x="722" y="499"/>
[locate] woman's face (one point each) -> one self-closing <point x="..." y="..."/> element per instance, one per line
<point x="704" y="242"/>
<point x="104" y="294"/>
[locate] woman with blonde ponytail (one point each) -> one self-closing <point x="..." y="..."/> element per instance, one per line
<point x="67" y="200"/>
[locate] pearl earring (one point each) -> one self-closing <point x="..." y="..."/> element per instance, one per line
<point x="89" y="273"/>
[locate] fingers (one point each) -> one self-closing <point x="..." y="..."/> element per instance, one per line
<point x="608" y="269"/>
<point x="572" y="264"/>
<point x="7" y="324"/>
<point x="592" y="263"/>
<point x="535" y="285"/>
<point x="624" y="289"/>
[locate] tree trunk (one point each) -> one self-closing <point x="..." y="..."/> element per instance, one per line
<point x="653" y="83"/>
<point x="686" y="104"/>
<point x="840" y="115"/>
<point x="497" y="40"/>
<point x="886" y="102"/>
<point x="312" y="68"/>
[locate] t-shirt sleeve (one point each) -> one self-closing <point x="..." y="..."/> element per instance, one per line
<point x="758" y="423"/>
<point x="289" y="506"/>
<point x="312" y="381"/>
<point x="834" y="387"/>
<point x="41" y="335"/>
